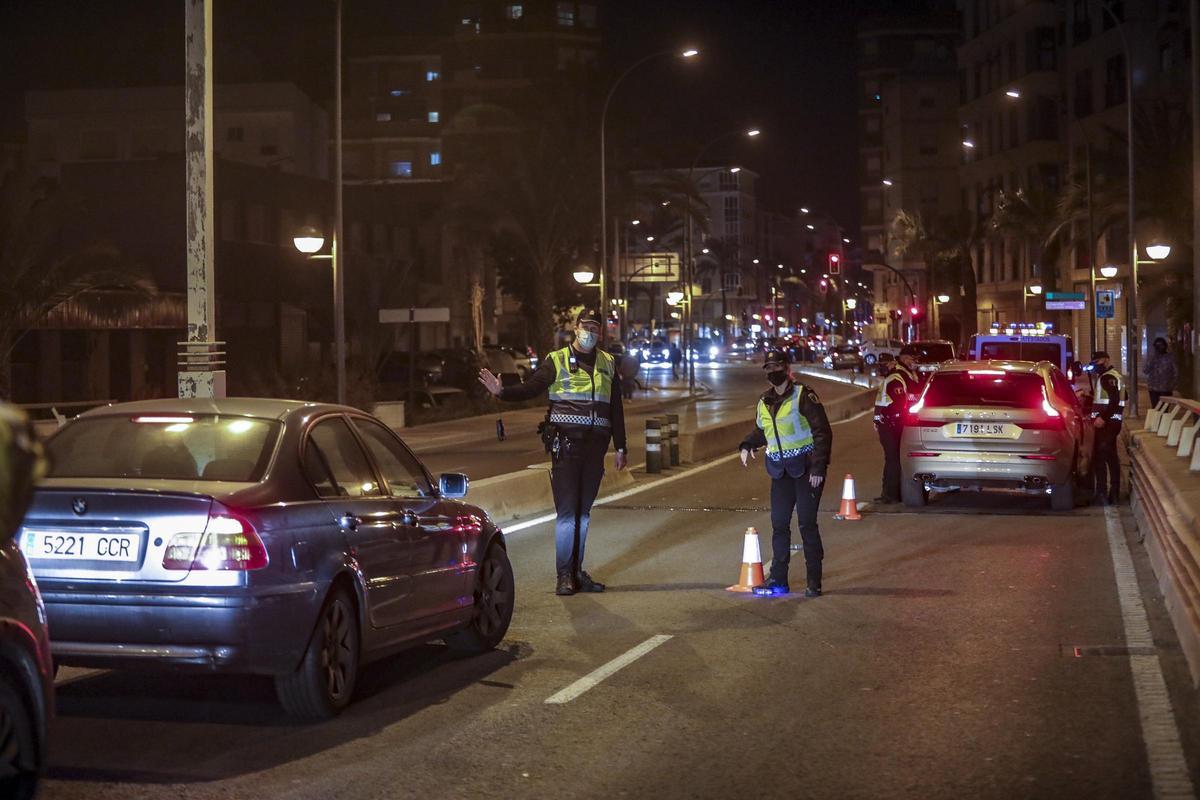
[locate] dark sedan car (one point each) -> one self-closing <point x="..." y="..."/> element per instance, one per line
<point x="257" y="536"/>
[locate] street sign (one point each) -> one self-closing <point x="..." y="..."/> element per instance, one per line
<point x="1065" y="305"/>
<point x="401" y="315"/>
<point x="651" y="268"/>
<point x="1106" y="306"/>
<point x="1065" y="296"/>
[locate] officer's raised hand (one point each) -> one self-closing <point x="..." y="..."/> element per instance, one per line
<point x="747" y="454"/>
<point x="490" y="382"/>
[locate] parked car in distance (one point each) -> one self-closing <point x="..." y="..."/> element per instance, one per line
<point x="460" y="368"/>
<point x="844" y="356"/>
<point x="874" y="348"/>
<point x="438" y="397"/>
<point x="26" y="671"/>
<point x="394" y="372"/>
<point x="502" y="365"/>
<point x="742" y="346"/>
<point x="997" y="424"/>
<point x="521" y="358"/>
<point x="257" y="536"/>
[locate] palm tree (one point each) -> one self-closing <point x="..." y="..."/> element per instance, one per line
<point x="945" y="246"/>
<point x="41" y="267"/>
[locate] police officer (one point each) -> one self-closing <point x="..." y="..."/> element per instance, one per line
<point x="1108" y="408"/>
<point x="890" y="405"/>
<point x="906" y="365"/>
<point x="585" y="414"/>
<point x="793" y="427"/>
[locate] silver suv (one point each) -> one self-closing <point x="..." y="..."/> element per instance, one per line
<point x="996" y="424"/>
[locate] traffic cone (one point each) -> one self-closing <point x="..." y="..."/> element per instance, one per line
<point x="752" y="566"/>
<point x="849" y="509"/>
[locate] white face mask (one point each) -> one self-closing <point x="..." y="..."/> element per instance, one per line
<point x="585" y="339"/>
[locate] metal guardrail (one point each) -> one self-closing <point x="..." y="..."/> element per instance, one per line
<point x="1177" y="419"/>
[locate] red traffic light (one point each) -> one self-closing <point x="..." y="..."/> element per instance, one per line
<point x="835" y="264"/>
<point x="914" y="311"/>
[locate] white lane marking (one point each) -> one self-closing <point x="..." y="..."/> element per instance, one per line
<point x="1168" y="767"/>
<point x="530" y="523"/>
<point x="594" y="677"/>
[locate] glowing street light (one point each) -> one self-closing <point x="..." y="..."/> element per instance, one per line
<point x="734" y="170"/>
<point x="1158" y="251"/>
<point x="803" y="210"/>
<point x="851" y="303"/>
<point x="943" y="298"/>
<point x="887" y="182"/>
<point x="308" y="240"/>
<point x="1015" y="94"/>
<point x="1109" y="271"/>
<point x="674" y="297"/>
<point x="583" y="275"/>
<point x="967" y="143"/>
<point x="1035" y="288"/>
<point x="690" y="53"/>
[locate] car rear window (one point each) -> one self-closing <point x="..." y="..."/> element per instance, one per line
<point x="1021" y="351"/>
<point x="933" y="352"/>
<point x="164" y="446"/>
<point x="984" y="388"/>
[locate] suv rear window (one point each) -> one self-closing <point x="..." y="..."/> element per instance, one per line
<point x="194" y="447"/>
<point x="985" y="388"/>
<point x="1021" y="351"/>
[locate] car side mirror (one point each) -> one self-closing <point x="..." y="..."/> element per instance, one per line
<point x="453" y="485"/>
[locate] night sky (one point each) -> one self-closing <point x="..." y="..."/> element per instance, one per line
<point x="784" y="65"/>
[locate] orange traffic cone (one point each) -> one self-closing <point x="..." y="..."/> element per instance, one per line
<point x="752" y="566"/>
<point x="849" y="509"/>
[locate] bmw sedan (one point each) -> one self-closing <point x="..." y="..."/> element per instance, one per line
<point x="257" y="536"/>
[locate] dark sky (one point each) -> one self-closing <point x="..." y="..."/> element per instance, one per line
<point x="786" y="66"/>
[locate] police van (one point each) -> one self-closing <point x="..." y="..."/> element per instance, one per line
<point x="1025" y="342"/>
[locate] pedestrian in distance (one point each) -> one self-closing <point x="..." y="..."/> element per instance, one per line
<point x="891" y="402"/>
<point x="585" y="414"/>
<point x="676" y="360"/>
<point x="1108" y="409"/>
<point x="792" y="426"/>
<point x="1161" y="374"/>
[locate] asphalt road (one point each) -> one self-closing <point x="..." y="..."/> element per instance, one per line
<point x="939" y="664"/>
<point x="470" y="445"/>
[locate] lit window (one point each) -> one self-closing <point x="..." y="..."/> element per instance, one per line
<point x="400" y="92"/>
<point x="434" y="116"/>
<point x="383" y="116"/>
<point x="432" y="75"/>
<point x="514" y="11"/>
<point x="400" y="169"/>
<point x="566" y="15"/>
<point x="435" y="158"/>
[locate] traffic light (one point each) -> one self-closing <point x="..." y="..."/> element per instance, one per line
<point x="917" y="312"/>
<point x="835" y="264"/>
<point x="824" y="286"/>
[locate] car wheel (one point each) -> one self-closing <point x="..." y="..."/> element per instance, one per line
<point x="493" y="606"/>
<point x="324" y="682"/>
<point x="871" y="359"/>
<point x="19" y="755"/>
<point x="913" y="493"/>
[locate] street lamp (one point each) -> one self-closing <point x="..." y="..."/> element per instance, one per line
<point x="1015" y="94"/>
<point x="308" y="240"/>
<point x="687" y="54"/>
<point x="1158" y="251"/>
<point x="583" y="275"/>
<point x="674" y="297"/>
<point x="1030" y="290"/>
<point x="1109" y="271"/>
<point x="887" y="182"/>
<point x="851" y="303"/>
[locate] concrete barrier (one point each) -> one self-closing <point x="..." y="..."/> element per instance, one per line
<point x="719" y="440"/>
<point x="1165" y="497"/>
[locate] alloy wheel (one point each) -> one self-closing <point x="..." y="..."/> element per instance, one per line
<point x="492" y="597"/>
<point x="337" y="652"/>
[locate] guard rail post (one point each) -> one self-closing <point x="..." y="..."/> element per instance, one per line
<point x="653" y="446"/>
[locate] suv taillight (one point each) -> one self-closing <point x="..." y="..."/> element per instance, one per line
<point x="228" y="543"/>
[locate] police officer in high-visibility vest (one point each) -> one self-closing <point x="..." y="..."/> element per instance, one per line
<point x="585" y="414"/>
<point x="891" y="402"/>
<point x="792" y="425"/>
<point x="906" y="365"/>
<point x="1108" y="409"/>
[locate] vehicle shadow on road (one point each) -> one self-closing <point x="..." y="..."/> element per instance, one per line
<point x="126" y="726"/>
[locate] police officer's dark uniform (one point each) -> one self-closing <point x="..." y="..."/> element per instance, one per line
<point x="890" y="405"/>
<point x="1108" y="409"/>
<point x="792" y="425"/>
<point x="585" y="413"/>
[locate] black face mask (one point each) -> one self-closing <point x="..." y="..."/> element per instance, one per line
<point x="1160" y="348"/>
<point x="778" y="377"/>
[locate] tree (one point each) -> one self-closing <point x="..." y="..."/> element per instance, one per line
<point x="43" y="265"/>
<point x="945" y="247"/>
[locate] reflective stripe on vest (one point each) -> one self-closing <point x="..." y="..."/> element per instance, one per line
<point x="788" y="433"/>
<point x="579" y="398"/>
<point x="883" y="399"/>
<point x="1102" y="398"/>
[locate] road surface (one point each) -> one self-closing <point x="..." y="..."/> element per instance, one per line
<point x="941" y="663"/>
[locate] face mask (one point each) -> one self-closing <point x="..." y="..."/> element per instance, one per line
<point x="586" y="340"/>
<point x="777" y="378"/>
<point x="1160" y="348"/>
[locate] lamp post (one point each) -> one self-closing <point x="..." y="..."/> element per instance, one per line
<point x="689" y="266"/>
<point x="686" y="54"/>
<point x="309" y="241"/>
<point x="1028" y="291"/>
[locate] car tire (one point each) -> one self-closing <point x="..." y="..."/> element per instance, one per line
<point x="20" y="757"/>
<point x="324" y="682"/>
<point x="871" y="360"/>
<point x="913" y="493"/>
<point x="494" y="596"/>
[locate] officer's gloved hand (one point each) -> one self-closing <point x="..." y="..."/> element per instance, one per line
<point x="747" y="454"/>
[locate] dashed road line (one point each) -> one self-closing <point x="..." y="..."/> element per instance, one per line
<point x="1168" y="766"/>
<point x="593" y="678"/>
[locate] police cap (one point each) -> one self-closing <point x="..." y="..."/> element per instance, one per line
<point x="589" y="314"/>
<point x="775" y="358"/>
<point x="1099" y="354"/>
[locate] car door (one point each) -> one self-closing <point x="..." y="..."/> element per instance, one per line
<point x="1080" y="425"/>
<point x="438" y="563"/>
<point x="341" y="472"/>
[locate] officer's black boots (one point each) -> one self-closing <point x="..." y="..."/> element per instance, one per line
<point x="585" y="583"/>
<point x="566" y="584"/>
<point x="813" y="579"/>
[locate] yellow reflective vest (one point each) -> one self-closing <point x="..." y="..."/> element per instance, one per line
<point x="579" y="400"/>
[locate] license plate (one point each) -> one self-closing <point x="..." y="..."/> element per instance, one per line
<point x="986" y="430"/>
<point x="77" y="546"/>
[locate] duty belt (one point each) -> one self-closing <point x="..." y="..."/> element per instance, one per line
<point x="790" y="453"/>
<point x="579" y="419"/>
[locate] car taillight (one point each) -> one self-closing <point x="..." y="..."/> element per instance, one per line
<point x="227" y="543"/>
